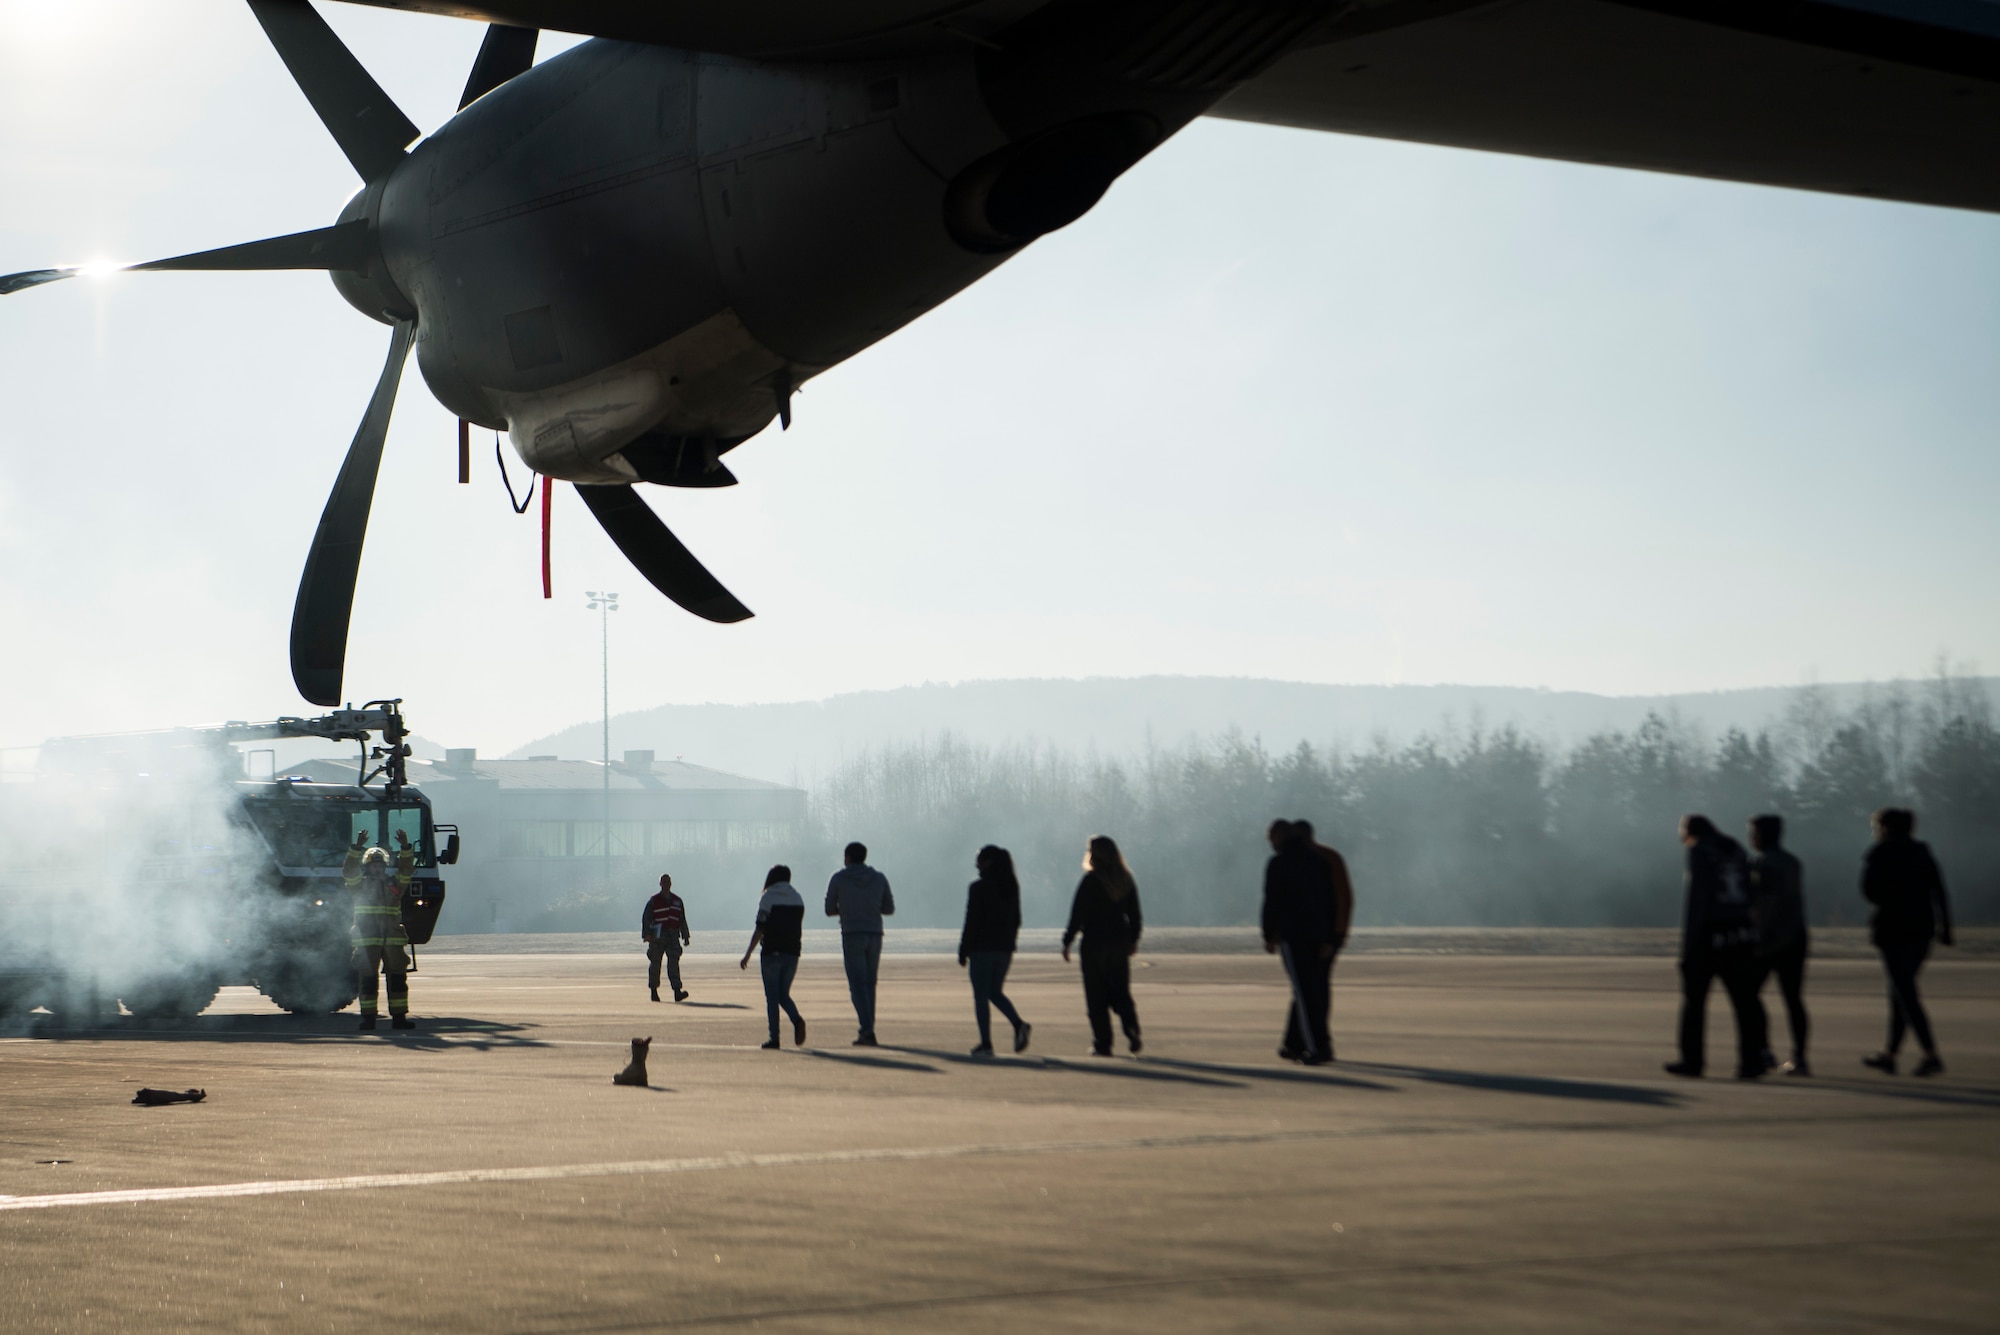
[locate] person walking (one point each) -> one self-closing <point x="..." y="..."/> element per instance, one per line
<point x="1718" y="940"/>
<point x="781" y="920"/>
<point x="380" y="944"/>
<point x="663" y="927"/>
<point x="1302" y="927"/>
<point x="1902" y="880"/>
<point x="859" y="896"/>
<point x="1778" y="899"/>
<point x="986" y="944"/>
<point x="1105" y="913"/>
<point x="1343" y="906"/>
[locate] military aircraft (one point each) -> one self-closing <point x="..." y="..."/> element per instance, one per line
<point x="629" y="257"/>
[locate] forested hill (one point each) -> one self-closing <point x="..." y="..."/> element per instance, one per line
<point x="1119" y="717"/>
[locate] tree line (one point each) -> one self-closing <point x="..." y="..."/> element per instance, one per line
<point x="1463" y="826"/>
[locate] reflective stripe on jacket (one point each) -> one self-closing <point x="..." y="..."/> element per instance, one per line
<point x="378" y="911"/>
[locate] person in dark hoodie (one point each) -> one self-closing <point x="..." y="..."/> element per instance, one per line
<point x="1106" y="913"/>
<point x="1718" y="940"/>
<point x="1901" y="879"/>
<point x="1778" y="898"/>
<point x="986" y="945"/>
<point x="1302" y="926"/>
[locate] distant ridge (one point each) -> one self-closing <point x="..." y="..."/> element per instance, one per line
<point x="1117" y="716"/>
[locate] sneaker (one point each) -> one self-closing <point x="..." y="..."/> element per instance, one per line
<point x="656" y="994"/>
<point x="799" y="1032"/>
<point x="678" y="996"/>
<point x="1291" y="1054"/>
<point x="865" y="1041"/>
<point x="1021" y="1032"/>
<point x="1687" y="1069"/>
<point x="1100" y="1052"/>
<point x="1135" y="1045"/>
<point x="1750" y="1072"/>
<point x="772" y="1046"/>
<point x="1770" y="1060"/>
<point x="402" y="1022"/>
<point x="1885" y="1062"/>
<point x="1932" y="1064"/>
<point x="1316" y="1061"/>
<point x="1796" y="1066"/>
<point x="983" y="1050"/>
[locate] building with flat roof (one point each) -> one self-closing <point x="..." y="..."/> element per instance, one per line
<point x="535" y="832"/>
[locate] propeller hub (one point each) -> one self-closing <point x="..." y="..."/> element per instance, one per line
<point x="371" y="290"/>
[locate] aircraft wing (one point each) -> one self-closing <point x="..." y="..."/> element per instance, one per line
<point x="1898" y="99"/>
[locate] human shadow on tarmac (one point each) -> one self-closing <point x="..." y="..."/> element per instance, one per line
<point x="434" y="1032"/>
<point x="1974" y="1096"/>
<point x="859" y="1059"/>
<point x="1316" y="1076"/>
<point x="1112" y="1066"/>
<point x="1545" y="1086"/>
<point x="713" y="1005"/>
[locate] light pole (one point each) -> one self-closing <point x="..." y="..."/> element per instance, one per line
<point x="604" y="604"/>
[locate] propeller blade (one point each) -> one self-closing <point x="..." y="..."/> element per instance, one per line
<point x="658" y="555"/>
<point x="21" y="282"/>
<point x="370" y="129"/>
<point x="342" y="246"/>
<point x="505" y="53"/>
<point x="326" y="589"/>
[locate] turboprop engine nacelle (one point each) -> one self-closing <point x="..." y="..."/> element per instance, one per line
<point x="612" y="288"/>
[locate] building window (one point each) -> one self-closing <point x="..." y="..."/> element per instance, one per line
<point x="586" y="838"/>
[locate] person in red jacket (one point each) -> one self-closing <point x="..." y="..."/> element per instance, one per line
<point x="663" y="927"/>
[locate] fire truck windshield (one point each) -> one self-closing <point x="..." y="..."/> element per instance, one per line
<point x="306" y="834"/>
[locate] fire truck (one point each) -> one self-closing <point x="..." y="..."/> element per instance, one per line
<point x="151" y="869"/>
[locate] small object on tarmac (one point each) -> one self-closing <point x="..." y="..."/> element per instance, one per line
<point x="154" y="1098"/>
<point x="635" y="1072"/>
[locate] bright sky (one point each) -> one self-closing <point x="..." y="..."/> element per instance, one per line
<point x="1285" y="405"/>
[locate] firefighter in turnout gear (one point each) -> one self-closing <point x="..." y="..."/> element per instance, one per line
<point x="380" y="946"/>
<point x="406" y="869"/>
<point x="406" y="861"/>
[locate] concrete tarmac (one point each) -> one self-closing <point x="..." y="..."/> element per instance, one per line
<point x="1496" y="1150"/>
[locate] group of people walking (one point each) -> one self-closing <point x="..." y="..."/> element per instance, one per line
<point x="1309" y="903"/>
<point x="1745" y="921"/>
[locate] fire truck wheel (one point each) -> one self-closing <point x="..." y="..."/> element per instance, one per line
<point x="170" y="998"/>
<point x="304" y="990"/>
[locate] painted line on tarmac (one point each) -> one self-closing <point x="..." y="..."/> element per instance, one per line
<point x="639" y="1167"/>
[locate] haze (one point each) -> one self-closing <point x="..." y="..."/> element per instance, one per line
<point x="1285" y="405"/>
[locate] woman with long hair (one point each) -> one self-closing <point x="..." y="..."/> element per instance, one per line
<point x="1106" y="913"/>
<point x="986" y="945"/>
